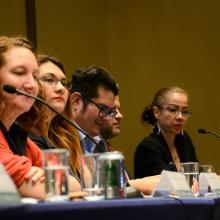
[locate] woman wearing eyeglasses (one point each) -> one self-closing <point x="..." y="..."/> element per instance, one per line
<point x="168" y="145"/>
<point x="48" y="130"/>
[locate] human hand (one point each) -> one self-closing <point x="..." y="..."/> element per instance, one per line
<point x="145" y="185"/>
<point x="35" y="174"/>
<point x="195" y="186"/>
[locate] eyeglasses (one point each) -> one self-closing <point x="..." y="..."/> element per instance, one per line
<point x="175" y="110"/>
<point x="53" y="81"/>
<point x="104" y="111"/>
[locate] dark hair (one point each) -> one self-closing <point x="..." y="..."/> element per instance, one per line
<point x="148" y="114"/>
<point x="42" y="58"/>
<point x="87" y="80"/>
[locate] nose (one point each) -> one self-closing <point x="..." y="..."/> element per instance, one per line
<point x="180" y="115"/>
<point x="119" y="116"/>
<point x="59" y="87"/>
<point x="31" y="84"/>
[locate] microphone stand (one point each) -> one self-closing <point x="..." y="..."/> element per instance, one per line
<point x="11" y="89"/>
<point x="213" y="133"/>
<point x="204" y="131"/>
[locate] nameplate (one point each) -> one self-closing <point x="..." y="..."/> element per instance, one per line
<point x="172" y="183"/>
<point x="8" y="190"/>
<point x="209" y="183"/>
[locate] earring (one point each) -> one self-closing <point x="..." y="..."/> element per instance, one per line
<point x="158" y="128"/>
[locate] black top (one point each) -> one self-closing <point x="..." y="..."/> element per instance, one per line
<point x="41" y="141"/>
<point x="16" y="138"/>
<point x="153" y="155"/>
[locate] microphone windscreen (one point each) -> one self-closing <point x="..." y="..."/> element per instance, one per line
<point x="9" y="89"/>
<point x="202" y="130"/>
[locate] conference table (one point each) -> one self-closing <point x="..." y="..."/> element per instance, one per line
<point x="130" y="209"/>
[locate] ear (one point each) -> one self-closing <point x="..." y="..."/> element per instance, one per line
<point x="156" y="112"/>
<point x="76" y="99"/>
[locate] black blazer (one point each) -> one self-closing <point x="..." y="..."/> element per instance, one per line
<point x="153" y="155"/>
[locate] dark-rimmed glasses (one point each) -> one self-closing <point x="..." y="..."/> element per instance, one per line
<point x="104" y="111"/>
<point x="175" y="110"/>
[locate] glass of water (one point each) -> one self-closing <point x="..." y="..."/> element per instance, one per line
<point x="55" y="164"/>
<point x="91" y="178"/>
<point x="207" y="168"/>
<point x="191" y="172"/>
<point x="206" y="189"/>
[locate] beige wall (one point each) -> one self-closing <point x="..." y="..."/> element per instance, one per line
<point x="74" y="31"/>
<point x="153" y="44"/>
<point x="147" y="45"/>
<point x="12" y="17"/>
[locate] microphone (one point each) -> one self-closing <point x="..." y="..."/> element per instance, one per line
<point x="12" y="90"/>
<point x="204" y="131"/>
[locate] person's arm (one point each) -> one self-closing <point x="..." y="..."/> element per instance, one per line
<point x="30" y="189"/>
<point x="33" y="184"/>
<point x="145" y="185"/>
<point x="36" y="188"/>
<point x="35" y="174"/>
<point x="149" y="159"/>
<point x="74" y="185"/>
<point x="18" y="167"/>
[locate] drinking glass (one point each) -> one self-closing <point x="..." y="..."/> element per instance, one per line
<point x="91" y="178"/>
<point x="191" y="172"/>
<point x="206" y="168"/>
<point x="55" y="164"/>
<point x="207" y="190"/>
